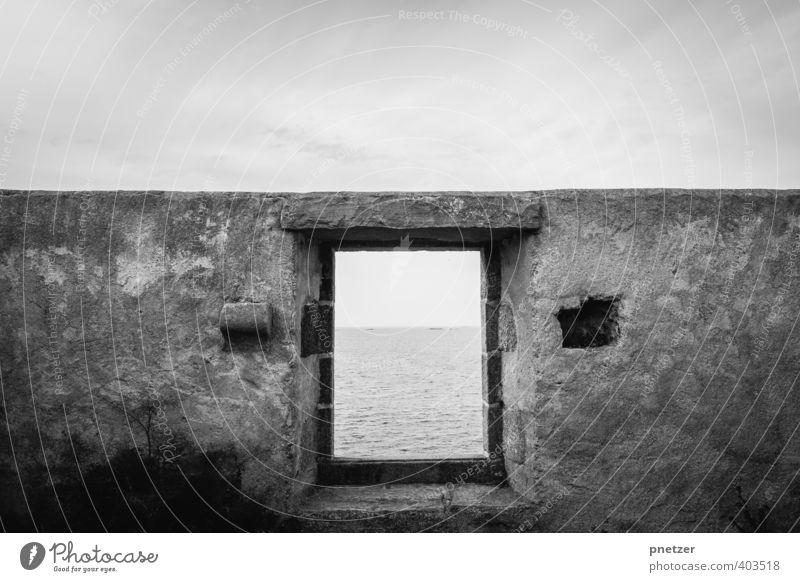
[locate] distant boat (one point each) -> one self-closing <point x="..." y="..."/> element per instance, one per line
<point x="435" y="328"/>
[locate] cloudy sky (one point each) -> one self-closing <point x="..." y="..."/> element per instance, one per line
<point x="373" y="95"/>
<point x="394" y="289"/>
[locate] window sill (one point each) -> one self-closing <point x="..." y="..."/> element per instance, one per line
<point x="343" y="471"/>
<point x="416" y="508"/>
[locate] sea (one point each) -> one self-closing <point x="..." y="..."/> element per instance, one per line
<point x="407" y="393"/>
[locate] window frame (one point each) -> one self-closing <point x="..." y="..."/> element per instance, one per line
<point x="488" y="468"/>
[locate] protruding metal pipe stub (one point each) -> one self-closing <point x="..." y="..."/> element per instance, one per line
<point x="245" y="318"/>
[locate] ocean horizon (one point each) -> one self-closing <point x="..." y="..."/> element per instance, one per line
<point x="413" y="393"/>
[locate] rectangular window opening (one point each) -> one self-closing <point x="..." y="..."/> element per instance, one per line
<point x="408" y="355"/>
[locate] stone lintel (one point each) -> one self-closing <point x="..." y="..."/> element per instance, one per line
<point x="404" y="211"/>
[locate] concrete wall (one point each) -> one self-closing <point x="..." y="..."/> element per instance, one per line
<point x="110" y="306"/>
<point x="127" y="408"/>
<point x="690" y="419"/>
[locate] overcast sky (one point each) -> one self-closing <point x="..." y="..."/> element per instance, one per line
<point x="287" y="96"/>
<point x="394" y="289"/>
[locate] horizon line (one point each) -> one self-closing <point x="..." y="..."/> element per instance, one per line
<point x="400" y="326"/>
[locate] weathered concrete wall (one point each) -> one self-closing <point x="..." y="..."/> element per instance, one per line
<point x="690" y="419"/>
<point x="123" y="397"/>
<point x="110" y="310"/>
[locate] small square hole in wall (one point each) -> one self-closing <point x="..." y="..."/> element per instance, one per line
<point x="591" y="325"/>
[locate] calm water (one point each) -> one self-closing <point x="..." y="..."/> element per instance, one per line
<point x="408" y="393"/>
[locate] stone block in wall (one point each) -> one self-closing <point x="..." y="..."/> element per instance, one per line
<point x="246" y="318"/>
<point x="514" y="437"/>
<point x="507" y="329"/>
<point x="316" y="329"/>
<point x="494" y="376"/>
<point x="404" y="210"/>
